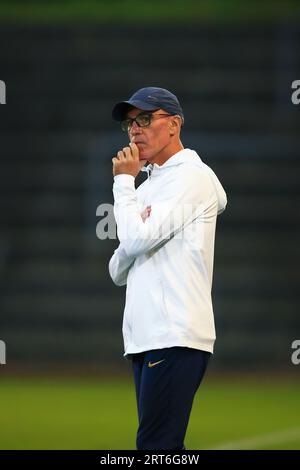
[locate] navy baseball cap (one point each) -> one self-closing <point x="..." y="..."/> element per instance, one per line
<point x="148" y="99"/>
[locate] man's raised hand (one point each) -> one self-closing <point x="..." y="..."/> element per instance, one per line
<point x="127" y="161"/>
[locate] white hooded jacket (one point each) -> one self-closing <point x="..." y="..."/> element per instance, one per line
<point x="167" y="260"/>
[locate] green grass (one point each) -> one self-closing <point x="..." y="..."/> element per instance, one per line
<point x="131" y="11"/>
<point x="101" y="414"/>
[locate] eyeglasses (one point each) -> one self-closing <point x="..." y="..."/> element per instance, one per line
<point x="142" y="120"/>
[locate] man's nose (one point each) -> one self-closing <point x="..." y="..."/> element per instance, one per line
<point x="135" y="128"/>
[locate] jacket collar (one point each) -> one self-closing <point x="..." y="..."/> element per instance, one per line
<point x="183" y="156"/>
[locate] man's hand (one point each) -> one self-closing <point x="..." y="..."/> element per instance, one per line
<point x="127" y="161"/>
<point x="146" y="213"/>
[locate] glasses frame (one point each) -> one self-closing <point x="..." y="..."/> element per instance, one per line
<point x="126" y="124"/>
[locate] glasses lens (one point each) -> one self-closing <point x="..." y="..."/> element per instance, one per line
<point x="143" y="120"/>
<point x="126" y="124"/>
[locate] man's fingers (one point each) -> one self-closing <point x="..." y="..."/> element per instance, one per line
<point x="127" y="152"/>
<point x="120" y="155"/>
<point x="127" y="161"/>
<point x="115" y="163"/>
<point x="134" y="150"/>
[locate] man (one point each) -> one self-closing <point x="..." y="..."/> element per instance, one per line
<point x="166" y="229"/>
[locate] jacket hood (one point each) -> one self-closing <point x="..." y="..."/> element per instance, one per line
<point x="190" y="156"/>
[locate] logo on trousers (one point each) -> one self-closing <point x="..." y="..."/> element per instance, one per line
<point x="153" y="364"/>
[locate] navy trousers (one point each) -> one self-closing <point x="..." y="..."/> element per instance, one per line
<point x="166" y="381"/>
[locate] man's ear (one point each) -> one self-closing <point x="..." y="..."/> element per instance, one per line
<point x="174" y="124"/>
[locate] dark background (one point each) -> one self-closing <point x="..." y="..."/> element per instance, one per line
<point x="59" y="308"/>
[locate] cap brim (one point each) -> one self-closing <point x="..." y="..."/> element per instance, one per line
<point x="121" y="109"/>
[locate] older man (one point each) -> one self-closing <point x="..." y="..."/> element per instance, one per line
<point x="166" y="228"/>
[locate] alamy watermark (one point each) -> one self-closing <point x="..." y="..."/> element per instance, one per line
<point x="295" y="358"/>
<point x="2" y="92"/>
<point x="107" y="227"/>
<point x="296" y="94"/>
<point x="2" y="352"/>
<point x="182" y="222"/>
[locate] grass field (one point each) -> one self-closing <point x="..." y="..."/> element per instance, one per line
<point x="101" y="414"/>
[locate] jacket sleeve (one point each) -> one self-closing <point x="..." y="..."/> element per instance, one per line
<point x="119" y="266"/>
<point x="181" y="200"/>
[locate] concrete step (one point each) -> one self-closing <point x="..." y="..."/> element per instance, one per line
<point x="71" y="278"/>
<point x="255" y="315"/>
<point x="54" y="207"/>
<point x="256" y="247"/>
<point x="271" y="350"/>
<point x="207" y="112"/>
<point x="44" y="310"/>
<point x="54" y="243"/>
<point x="77" y="81"/>
<point x="71" y="177"/>
<point x="76" y="146"/>
<point x="64" y="345"/>
<point x="231" y="44"/>
<point x="56" y="275"/>
<point x="57" y="145"/>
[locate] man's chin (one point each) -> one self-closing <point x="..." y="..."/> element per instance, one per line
<point x="142" y="152"/>
<point x="143" y="155"/>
